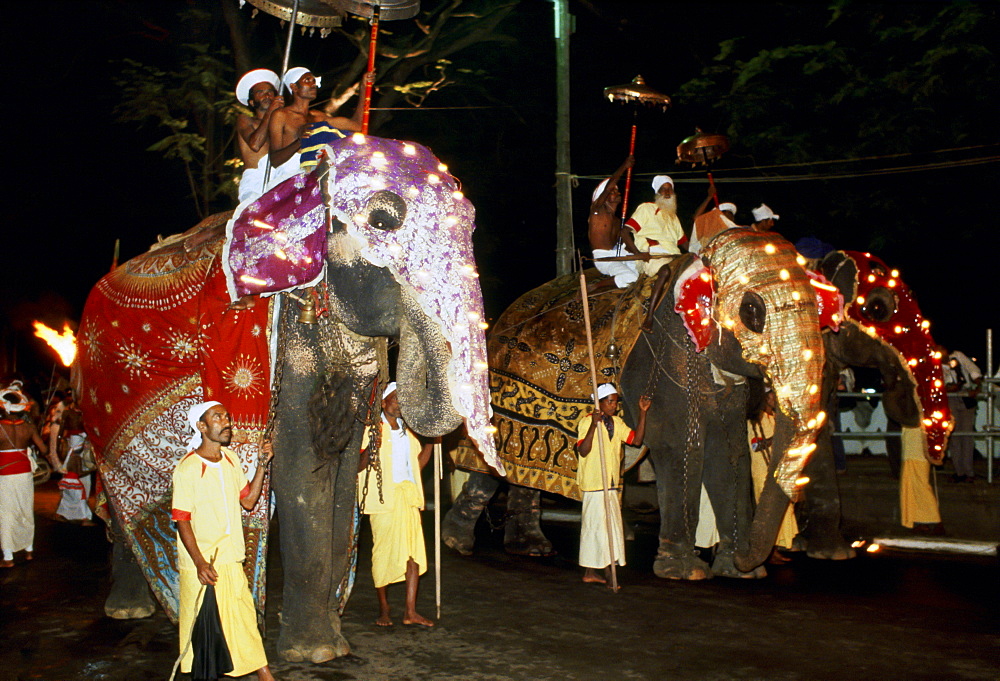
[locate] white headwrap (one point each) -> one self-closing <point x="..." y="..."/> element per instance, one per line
<point x="14" y="400"/>
<point x="194" y="415"/>
<point x="389" y="389"/>
<point x="728" y="206"/>
<point x="605" y="389"/>
<point x="292" y="76"/>
<point x="763" y="212"/>
<point x="599" y="190"/>
<point x="661" y="180"/>
<point x="251" y="78"/>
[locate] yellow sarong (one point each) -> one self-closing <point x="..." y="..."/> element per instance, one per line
<point x="236" y="611"/>
<point x="917" y="503"/>
<point x="397" y="537"/>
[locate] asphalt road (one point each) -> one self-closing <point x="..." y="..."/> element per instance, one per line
<point x="881" y="616"/>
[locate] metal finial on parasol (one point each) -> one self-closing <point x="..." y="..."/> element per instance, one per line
<point x="637" y="92"/>
<point x="703" y="149"/>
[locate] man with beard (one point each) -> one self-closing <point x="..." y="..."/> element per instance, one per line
<point x="209" y="489"/>
<point x="257" y="89"/>
<point x="654" y="227"/>
<point x="290" y="126"/>
<point x="602" y="229"/>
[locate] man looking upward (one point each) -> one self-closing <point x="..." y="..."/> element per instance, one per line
<point x="257" y="89"/>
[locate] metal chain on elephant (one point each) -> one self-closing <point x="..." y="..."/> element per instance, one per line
<point x="279" y="361"/>
<point x="692" y="442"/>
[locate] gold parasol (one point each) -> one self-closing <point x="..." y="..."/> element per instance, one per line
<point x="703" y="149"/>
<point x="312" y="13"/>
<point x="388" y="10"/>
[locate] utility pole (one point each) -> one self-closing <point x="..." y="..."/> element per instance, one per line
<point x="564" y="199"/>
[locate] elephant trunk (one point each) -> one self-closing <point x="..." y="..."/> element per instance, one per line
<point x="422" y="374"/>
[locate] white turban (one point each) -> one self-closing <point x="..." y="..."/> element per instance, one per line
<point x="763" y="212"/>
<point x="292" y="76"/>
<point x="661" y="180"/>
<point x="194" y="415"/>
<point x="14" y="400"/>
<point x="599" y="190"/>
<point x="251" y="78"/>
<point x="389" y="389"/>
<point x="731" y="207"/>
<point x="605" y="389"/>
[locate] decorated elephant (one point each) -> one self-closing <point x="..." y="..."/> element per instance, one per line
<point x="883" y="329"/>
<point x="747" y="308"/>
<point x="378" y="243"/>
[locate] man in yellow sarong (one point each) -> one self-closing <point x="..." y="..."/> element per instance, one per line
<point x="760" y="433"/>
<point x="595" y="552"/>
<point x="391" y="494"/>
<point x="918" y="504"/>
<point x="209" y="489"/>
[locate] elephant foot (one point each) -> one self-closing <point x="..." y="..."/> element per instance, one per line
<point x="835" y="552"/>
<point x="317" y="654"/>
<point x="134" y="613"/>
<point x="690" y="567"/>
<point x="458" y="535"/>
<point x="538" y="547"/>
<point x="723" y="566"/>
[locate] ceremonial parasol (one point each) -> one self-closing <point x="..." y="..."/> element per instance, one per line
<point x="375" y="10"/>
<point x="636" y="92"/>
<point x="703" y="149"/>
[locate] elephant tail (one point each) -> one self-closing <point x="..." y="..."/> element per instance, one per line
<point x="331" y="415"/>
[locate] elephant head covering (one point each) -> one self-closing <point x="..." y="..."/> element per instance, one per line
<point x="599" y="190"/>
<point x="14" y="400"/>
<point x="194" y="415"/>
<point x="605" y="389"/>
<point x="293" y="75"/>
<point x="389" y="389"/>
<point x="661" y="180"/>
<point x="763" y="212"/>
<point x="251" y="78"/>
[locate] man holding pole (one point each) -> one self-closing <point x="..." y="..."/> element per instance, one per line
<point x="258" y="90"/>
<point x="602" y="514"/>
<point x="391" y="494"/>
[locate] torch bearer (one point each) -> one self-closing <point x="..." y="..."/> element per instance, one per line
<point x="636" y="92"/>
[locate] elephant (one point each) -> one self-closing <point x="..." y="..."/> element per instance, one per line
<point x="747" y="308"/>
<point x="883" y="329"/>
<point x="393" y="232"/>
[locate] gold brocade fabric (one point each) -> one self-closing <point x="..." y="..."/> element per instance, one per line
<point x="790" y="346"/>
<point x="539" y="375"/>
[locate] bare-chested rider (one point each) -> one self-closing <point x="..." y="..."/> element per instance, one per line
<point x="290" y="124"/>
<point x="257" y="89"/>
<point x="604" y="229"/>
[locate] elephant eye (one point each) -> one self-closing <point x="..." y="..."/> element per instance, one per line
<point x="753" y="312"/>
<point x="880" y="305"/>
<point x="386" y="211"/>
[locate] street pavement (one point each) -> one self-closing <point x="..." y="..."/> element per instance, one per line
<point x="890" y="615"/>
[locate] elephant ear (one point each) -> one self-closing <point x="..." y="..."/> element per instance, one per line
<point x="829" y="301"/>
<point x="694" y="296"/>
<point x="841" y="271"/>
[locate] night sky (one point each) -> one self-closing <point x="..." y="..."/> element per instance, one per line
<point x="78" y="179"/>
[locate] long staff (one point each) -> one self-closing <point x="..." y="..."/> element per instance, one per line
<point x="284" y="69"/>
<point x="598" y="435"/>
<point x="369" y="81"/>
<point x="437" y="526"/>
<point x="628" y="173"/>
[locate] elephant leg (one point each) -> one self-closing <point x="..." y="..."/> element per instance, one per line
<point x="523" y="534"/>
<point x="729" y="485"/>
<point x="678" y="488"/>
<point x="819" y="507"/>
<point x="458" y="529"/>
<point x="130" y="596"/>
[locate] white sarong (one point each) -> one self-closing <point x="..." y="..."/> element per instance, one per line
<point x="17" y="513"/>
<point x="624" y="271"/>
<point x="594" y="531"/>
<point x="286" y="170"/>
<point x="75" y="491"/>
<point x="252" y="182"/>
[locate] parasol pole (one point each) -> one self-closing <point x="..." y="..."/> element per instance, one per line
<point x="711" y="181"/>
<point x="284" y="70"/>
<point x="438" y="470"/>
<point x="597" y="435"/>
<point x="628" y="174"/>
<point x="369" y="81"/>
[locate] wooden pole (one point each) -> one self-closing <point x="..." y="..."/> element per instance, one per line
<point x="281" y="78"/>
<point x="370" y="75"/>
<point x="597" y="435"/>
<point x="628" y="173"/>
<point x="438" y="470"/>
<point x="564" y="181"/>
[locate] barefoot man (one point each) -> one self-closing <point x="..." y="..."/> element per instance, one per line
<point x="17" y="486"/>
<point x="594" y="549"/>
<point x="391" y="494"/>
<point x="604" y="226"/>
<point x="258" y="89"/>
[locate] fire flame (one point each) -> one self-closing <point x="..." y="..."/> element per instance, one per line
<point x="63" y="343"/>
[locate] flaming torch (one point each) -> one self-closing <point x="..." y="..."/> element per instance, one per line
<point x="63" y="343"/>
